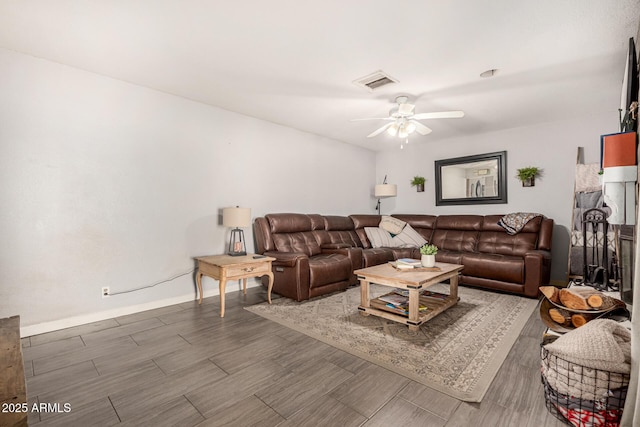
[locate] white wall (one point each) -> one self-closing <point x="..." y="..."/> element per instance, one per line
<point x="550" y="146"/>
<point x="105" y="183"/>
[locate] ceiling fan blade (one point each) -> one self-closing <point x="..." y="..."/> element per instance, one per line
<point x="439" y="115"/>
<point x="372" y="118"/>
<point x="420" y="128"/>
<point x="379" y="130"/>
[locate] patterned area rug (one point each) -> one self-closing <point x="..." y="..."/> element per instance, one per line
<point x="458" y="352"/>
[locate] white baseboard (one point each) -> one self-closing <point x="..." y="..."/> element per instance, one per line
<point x="55" y="325"/>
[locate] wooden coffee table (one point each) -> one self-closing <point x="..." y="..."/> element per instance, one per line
<point x="415" y="281"/>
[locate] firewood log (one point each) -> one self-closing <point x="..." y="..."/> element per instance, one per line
<point x="573" y="300"/>
<point x="581" y="298"/>
<point x="578" y="319"/>
<point x="560" y="316"/>
<point x="595" y="300"/>
<point x="551" y="292"/>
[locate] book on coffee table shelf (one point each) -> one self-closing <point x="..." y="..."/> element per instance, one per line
<point x="434" y="295"/>
<point x="395" y="299"/>
<point x="404" y="308"/>
<point x="398" y="301"/>
<point x="425" y="293"/>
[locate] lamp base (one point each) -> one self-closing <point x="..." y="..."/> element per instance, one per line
<point x="236" y="243"/>
<point x="236" y="253"/>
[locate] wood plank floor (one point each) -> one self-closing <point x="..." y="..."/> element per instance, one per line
<point x="185" y="366"/>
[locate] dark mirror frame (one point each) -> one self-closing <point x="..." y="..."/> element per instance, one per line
<point x="501" y="197"/>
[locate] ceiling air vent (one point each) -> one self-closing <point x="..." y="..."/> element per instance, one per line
<point x="375" y="80"/>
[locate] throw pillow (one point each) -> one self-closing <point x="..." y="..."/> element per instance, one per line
<point x="378" y="237"/>
<point x="408" y="238"/>
<point x="391" y="224"/>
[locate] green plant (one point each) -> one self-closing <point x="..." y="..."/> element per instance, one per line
<point x="429" y="249"/>
<point x="528" y="173"/>
<point x="418" y="180"/>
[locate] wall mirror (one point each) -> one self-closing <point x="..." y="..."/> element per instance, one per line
<point x="472" y="180"/>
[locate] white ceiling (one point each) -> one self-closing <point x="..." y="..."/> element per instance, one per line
<point x="292" y="62"/>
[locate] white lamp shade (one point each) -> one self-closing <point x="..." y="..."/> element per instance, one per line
<point x="236" y="217"/>
<point x="386" y="190"/>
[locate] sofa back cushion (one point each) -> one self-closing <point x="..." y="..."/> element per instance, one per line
<point x="294" y="233"/>
<point x="340" y="229"/>
<point x="457" y="233"/>
<point x="362" y="221"/>
<point x="495" y="240"/>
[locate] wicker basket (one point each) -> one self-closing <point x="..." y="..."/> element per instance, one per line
<point x="582" y="396"/>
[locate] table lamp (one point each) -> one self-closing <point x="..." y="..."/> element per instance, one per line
<point x="236" y="217"/>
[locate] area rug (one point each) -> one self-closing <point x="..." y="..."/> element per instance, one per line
<point x="457" y="352"/>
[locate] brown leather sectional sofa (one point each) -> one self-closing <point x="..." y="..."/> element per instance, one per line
<point x="317" y="254"/>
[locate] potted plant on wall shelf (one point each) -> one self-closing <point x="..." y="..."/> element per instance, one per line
<point x="528" y="175"/>
<point x="428" y="253"/>
<point x="418" y="182"/>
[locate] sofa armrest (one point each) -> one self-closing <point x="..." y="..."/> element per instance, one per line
<point x="537" y="267"/>
<point x="286" y="259"/>
<point x="291" y="275"/>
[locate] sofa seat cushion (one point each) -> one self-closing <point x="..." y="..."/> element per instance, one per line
<point x="329" y="268"/>
<point x="493" y="266"/>
<point x="451" y="257"/>
<point x="375" y="256"/>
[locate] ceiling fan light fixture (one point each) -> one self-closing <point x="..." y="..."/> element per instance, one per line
<point x="403" y="121"/>
<point x="410" y="127"/>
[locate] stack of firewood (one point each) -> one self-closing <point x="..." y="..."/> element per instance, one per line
<point x="572" y="305"/>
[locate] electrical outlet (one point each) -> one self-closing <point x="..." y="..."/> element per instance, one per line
<point x="105" y="291"/>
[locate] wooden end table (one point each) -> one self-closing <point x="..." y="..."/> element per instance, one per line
<point x="227" y="267"/>
<point x="414" y="281"/>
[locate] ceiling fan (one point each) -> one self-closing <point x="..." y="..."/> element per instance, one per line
<point x="403" y="121"/>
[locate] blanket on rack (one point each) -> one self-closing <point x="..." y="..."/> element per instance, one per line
<point x="513" y="223"/>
